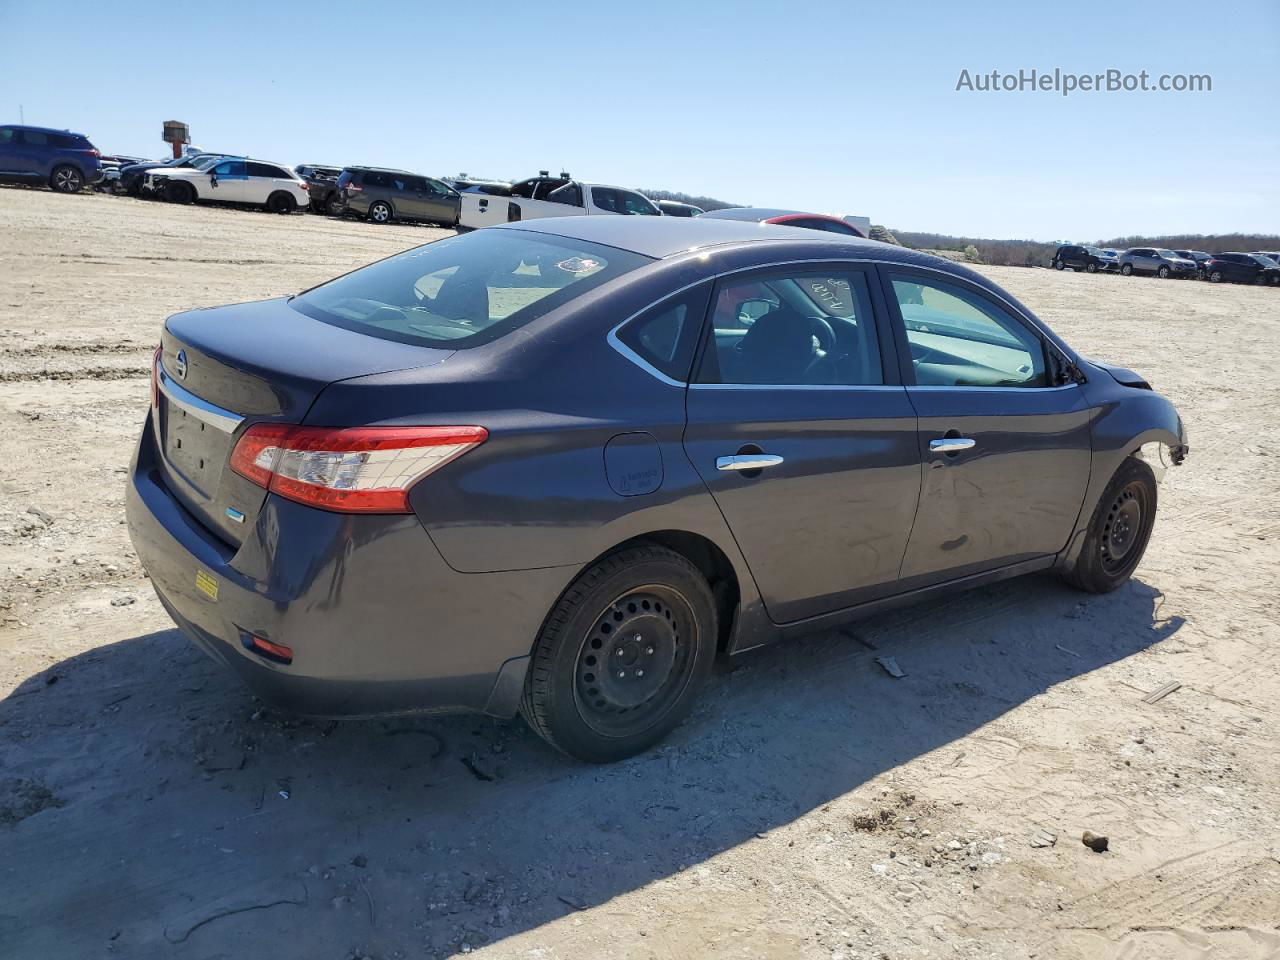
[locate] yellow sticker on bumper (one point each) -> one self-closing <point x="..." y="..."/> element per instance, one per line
<point x="207" y="585"/>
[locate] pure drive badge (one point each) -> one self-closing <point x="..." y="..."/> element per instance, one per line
<point x="207" y="585"/>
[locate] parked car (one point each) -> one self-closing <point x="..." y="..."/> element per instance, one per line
<point x="1086" y="258"/>
<point x="383" y="195"/>
<point x="559" y="466"/>
<point x="1163" y="263"/>
<point x="1241" y="268"/>
<point x="674" y="208"/>
<point x="547" y="196"/>
<point x="131" y="180"/>
<point x="231" y="180"/>
<point x="495" y="188"/>
<point x="111" y="167"/>
<point x="1271" y="255"/>
<point x="59" y="159"/>
<point x="786" y="218"/>
<point x="322" y="187"/>
<point x="1198" y="257"/>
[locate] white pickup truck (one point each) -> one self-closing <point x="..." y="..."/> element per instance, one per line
<point x="547" y="196"/>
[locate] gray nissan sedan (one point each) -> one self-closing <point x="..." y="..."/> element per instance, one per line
<point x="558" y="467"/>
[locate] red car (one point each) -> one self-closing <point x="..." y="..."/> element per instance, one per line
<point x="789" y="218"/>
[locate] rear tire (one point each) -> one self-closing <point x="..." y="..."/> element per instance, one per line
<point x="281" y="202"/>
<point x="380" y="212"/>
<point x="334" y="206"/>
<point x="1119" y="531"/>
<point x="622" y="655"/>
<point x="1092" y="267"/>
<point x="1215" y="276"/>
<point x="66" y="179"/>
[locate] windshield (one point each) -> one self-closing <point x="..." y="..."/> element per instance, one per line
<point x="1262" y="259"/>
<point x="468" y="290"/>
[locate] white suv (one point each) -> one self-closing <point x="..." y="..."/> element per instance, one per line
<point x="231" y="180"/>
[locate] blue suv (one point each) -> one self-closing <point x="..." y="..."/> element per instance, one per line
<point x="63" y="160"/>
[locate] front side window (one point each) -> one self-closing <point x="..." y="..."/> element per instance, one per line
<point x="960" y="339"/>
<point x="794" y="328"/>
<point x="636" y="205"/>
<point x="464" y="291"/>
<point x="230" y="168"/>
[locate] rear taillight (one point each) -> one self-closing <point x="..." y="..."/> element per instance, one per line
<point x="155" y="376"/>
<point x="352" y="469"/>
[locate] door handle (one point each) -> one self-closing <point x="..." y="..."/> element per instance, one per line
<point x="951" y="444"/>
<point x="748" y="461"/>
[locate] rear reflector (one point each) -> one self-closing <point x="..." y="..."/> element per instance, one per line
<point x="350" y="470"/>
<point x="272" y="651"/>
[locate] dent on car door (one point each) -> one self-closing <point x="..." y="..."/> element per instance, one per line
<point x="805" y="436"/>
<point x="227" y="183"/>
<point x="1004" y="436"/>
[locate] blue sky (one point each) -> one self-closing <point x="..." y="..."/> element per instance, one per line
<point x="837" y="107"/>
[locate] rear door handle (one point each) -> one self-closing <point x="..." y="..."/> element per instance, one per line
<point x="951" y="444"/>
<point x="748" y="461"/>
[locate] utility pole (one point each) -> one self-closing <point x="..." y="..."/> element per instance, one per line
<point x="22" y="116"/>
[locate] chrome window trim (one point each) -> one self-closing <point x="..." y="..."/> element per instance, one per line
<point x="202" y="410"/>
<point x="796" y="386"/>
<point x="657" y="374"/>
<point x="942" y="386"/>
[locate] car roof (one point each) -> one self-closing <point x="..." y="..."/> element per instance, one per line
<point x="27" y="126"/>
<point x="661" y="237"/>
<point x="761" y="213"/>
<point x="356" y="166"/>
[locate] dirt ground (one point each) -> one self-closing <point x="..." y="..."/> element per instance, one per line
<point x="812" y="807"/>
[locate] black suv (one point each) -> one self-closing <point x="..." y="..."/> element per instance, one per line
<point x="1077" y="257"/>
<point x="384" y="195"/>
<point x="322" y="184"/>
<point x="1241" y="268"/>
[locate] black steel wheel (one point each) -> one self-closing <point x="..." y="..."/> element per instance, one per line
<point x="1119" y="530"/>
<point x="281" y="202"/>
<point x="622" y="655"/>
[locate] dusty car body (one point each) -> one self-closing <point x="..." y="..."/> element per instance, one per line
<point x="394" y="493"/>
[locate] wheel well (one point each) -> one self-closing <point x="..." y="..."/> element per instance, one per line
<point x="711" y="562"/>
<point x="281" y="193"/>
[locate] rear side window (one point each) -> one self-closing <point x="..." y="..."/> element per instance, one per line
<point x="793" y="328"/>
<point x="570" y="193"/>
<point x="666" y="336"/>
<point x="468" y="290"/>
<point x="606" y="199"/>
<point x="637" y="205"/>
<point x="34" y="138"/>
<point x="376" y="178"/>
<point x="264" y="170"/>
<point x="6" y="135"/>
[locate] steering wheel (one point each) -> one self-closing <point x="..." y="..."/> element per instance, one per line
<point x="826" y="336"/>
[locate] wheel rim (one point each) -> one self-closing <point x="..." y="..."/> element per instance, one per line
<point x="1122" y="529"/>
<point x="1215" y="276"/>
<point x="635" y="661"/>
<point x="1093" y="268"/>
<point x="1164" y="272"/>
<point x="380" y="213"/>
<point x="67" y="179"/>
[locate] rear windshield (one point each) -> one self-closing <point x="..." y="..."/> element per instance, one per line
<point x="468" y="290"/>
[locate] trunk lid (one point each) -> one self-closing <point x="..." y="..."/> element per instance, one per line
<point x="226" y="368"/>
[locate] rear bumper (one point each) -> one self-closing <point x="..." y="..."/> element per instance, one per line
<point x="378" y="623"/>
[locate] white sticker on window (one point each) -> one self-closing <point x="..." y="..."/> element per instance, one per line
<point x="578" y="265"/>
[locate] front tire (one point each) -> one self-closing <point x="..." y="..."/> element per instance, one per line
<point x="1119" y="531"/>
<point x="281" y="202"/>
<point x="1092" y="268"/>
<point x="1163" y="273"/>
<point x="1127" y="269"/>
<point x="380" y="212"/>
<point x="175" y="191"/>
<point x="66" y="179"/>
<point x="1058" y="265"/>
<point x="622" y="655"/>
